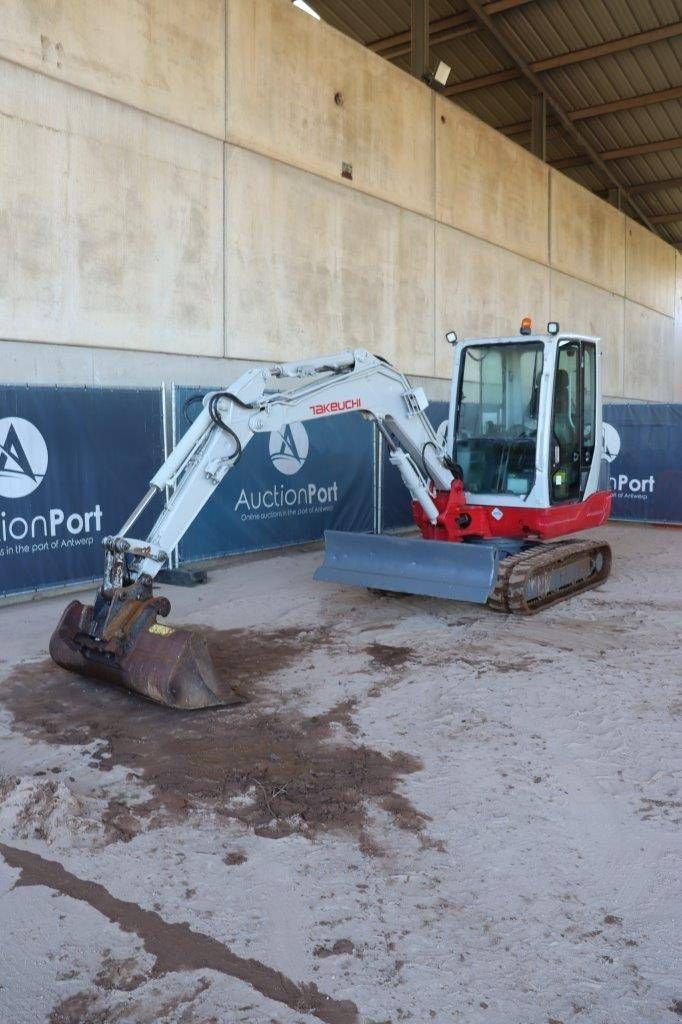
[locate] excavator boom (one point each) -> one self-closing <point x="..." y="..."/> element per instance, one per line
<point x="119" y="639"/>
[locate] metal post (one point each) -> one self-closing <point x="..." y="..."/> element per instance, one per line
<point x="419" y="38"/>
<point x="538" y="126"/>
<point x="378" y="473"/>
<point x="615" y="197"/>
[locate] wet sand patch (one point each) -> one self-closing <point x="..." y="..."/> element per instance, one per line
<point x="176" y="947"/>
<point x="277" y="771"/>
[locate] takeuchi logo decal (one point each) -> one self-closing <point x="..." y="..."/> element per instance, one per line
<point x="23" y="457"/>
<point x="289" y="448"/>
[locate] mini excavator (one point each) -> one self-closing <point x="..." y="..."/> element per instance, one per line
<point x="517" y="468"/>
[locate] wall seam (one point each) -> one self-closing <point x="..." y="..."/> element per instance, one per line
<point x="316" y="174"/>
<point x="111" y="99"/>
<point x="625" y="301"/>
<point x="434" y="196"/>
<point x="224" y="149"/>
<point x="95" y="351"/>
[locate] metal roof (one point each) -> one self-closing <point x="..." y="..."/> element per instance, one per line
<point x="637" y="67"/>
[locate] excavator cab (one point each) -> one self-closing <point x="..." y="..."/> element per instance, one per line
<point x="523" y="440"/>
<point x="524" y="419"/>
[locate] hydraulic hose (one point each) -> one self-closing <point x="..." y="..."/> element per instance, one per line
<point x="214" y="413"/>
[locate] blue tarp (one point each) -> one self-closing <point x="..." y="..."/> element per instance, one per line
<point x="73" y="462"/>
<point x="642" y="465"/>
<point x="289" y="487"/>
<point x="643" y="453"/>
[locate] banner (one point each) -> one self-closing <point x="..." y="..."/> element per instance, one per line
<point x="643" y="461"/>
<point x="288" y="487"/>
<point x="642" y="465"/>
<point x="73" y="463"/>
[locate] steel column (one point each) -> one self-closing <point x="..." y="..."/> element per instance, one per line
<point x="419" y="38"/>
<point x="538" y="126"/>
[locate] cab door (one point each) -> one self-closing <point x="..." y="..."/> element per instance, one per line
<point x="574" y="417"/>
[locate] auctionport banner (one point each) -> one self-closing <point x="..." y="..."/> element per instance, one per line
<point x="73" y="463"/>
<point x="288" y="487"/>
<point x="642" y="465"/>
<point x="643" y="461"/>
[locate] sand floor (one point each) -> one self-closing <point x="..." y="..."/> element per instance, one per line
<point x="420" y="812"/>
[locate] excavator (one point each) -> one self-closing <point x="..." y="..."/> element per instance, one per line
<point x="516" y="469"/>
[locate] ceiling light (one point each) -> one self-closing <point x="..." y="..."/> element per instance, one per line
<point x="442" y="73"/>
<point x="303" y="6"/>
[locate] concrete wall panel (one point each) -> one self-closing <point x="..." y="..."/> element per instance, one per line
<point x="581" y="307"/>
<point x="488" y="186"/>
<point x="163" y="56"/>
<point x="110" y="222"/>
<point x="677" y="336"/>
<point x="649" y="356"/>
<point x="649" y="269"/>
<point x="285" y="70"/>
<point x="483" y="291"/>
<point x="312" y="268"/>
<point x="587" y="235"/>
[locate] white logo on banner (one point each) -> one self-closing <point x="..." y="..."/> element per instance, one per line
<point x="623" y="486"/>
<point x="23" y="457"/>
<point x="289" y="448"/>
<point x="610" y="442"/>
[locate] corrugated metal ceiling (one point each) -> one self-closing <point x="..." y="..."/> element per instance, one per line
<point x="542" y="29"/>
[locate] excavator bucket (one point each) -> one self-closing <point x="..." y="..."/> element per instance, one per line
<point x="460" y="572"/>
<point x="123" y="643"/>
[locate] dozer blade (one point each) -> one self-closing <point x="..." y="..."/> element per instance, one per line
<point x="461" y="572"/>
<point x="161" y="663"/>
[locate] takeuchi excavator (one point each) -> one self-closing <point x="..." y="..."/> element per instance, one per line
<point x="517" y="467"/>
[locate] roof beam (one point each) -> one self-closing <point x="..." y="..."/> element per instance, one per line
<point x="574" y="57"/>
<point x="554" y="99"/>
<point x="660" y="146"/>
<point x="496" y="78"/>
<point x="441" y="30"/>
<point x="654" y="186"/>
<point x="645" y="100"/>
<point x="567" y="162"/>
<point x="666" y="218"/>
<point x="631" y="103"/>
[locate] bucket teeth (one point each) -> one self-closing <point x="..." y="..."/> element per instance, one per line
<point x="162" y="663"/>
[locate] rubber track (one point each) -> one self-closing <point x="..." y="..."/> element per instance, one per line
<point x="515" y="571"/>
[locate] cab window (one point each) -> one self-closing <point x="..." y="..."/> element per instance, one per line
<point x="497" y="421"/>
<point x="573" y="420"/>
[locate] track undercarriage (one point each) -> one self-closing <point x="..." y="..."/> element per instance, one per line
<point x="543" y="575"/>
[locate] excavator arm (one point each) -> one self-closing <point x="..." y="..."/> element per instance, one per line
<point x="349" y="381"/>
<point x="118" y="638"/>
